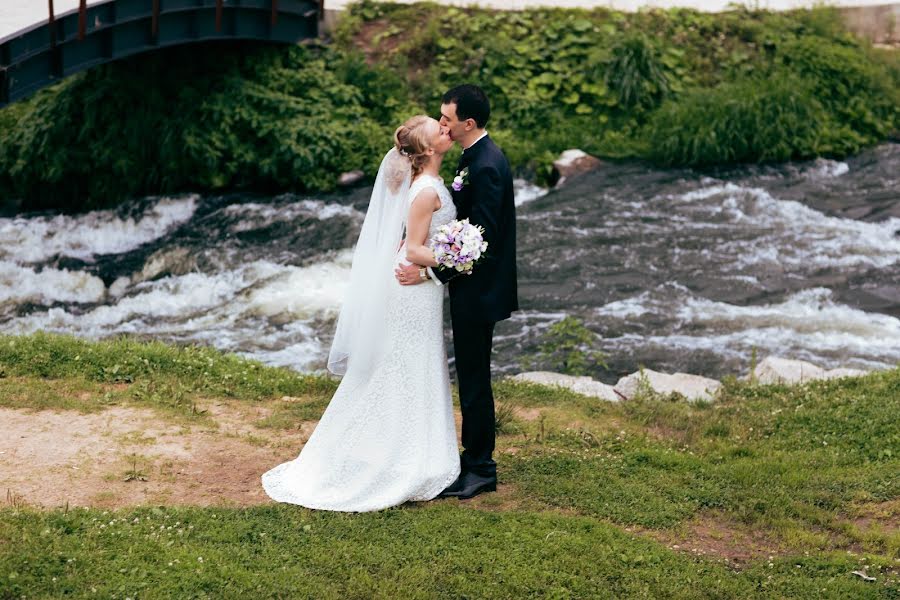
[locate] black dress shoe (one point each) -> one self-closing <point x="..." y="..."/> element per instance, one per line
<point x="480" y="486"/>
<point x="452" y="490"/>
<point x="470" y="484"/>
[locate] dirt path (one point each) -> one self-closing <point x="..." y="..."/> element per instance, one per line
<point x="127" y="456"/>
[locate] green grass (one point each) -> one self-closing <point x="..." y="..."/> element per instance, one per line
<point x="594" y="495"/>
<point x="156" y="374"/>
<point x="787" y="459"/>
<point x="441" y="550"/>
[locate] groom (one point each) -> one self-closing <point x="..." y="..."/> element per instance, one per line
<point x="482" y="193"/>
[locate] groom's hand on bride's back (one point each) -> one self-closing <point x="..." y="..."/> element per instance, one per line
<point x="408" y="275"/>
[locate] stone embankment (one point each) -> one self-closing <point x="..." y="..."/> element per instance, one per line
<point x="772" y="370"/>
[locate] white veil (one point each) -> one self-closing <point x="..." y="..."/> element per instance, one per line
<point x="360" y="323"/>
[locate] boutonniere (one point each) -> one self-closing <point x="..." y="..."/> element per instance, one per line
<point x="461" y="180"/>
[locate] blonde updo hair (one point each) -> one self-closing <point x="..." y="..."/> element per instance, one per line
<point x="411" y="140"/>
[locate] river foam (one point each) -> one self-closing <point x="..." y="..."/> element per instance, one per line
<point x="262" y="308"/>
<point x="19" y="284"/>
<point x="789" y="233"/>
<point x="37" y="239"/>
<point x="809" y="325"/>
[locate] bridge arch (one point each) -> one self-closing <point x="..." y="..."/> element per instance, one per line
<point x="57" y="46"/>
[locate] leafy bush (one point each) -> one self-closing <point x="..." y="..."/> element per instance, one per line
<point x="857" y="90"/>
<point x="819" y="98"/>
<point x="234" y="116"/>
<point x="736" y="122"/>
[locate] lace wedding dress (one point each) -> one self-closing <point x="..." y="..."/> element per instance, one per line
<point x="389" y="437"/>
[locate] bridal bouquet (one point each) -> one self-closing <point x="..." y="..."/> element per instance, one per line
<point x="458" y="245"/>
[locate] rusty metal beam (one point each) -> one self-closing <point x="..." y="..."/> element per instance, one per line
<point x="51" y="24"/>
<point x="55" y="55"/>
<point x="218" y="15"/>
<point x="82" y="19"/>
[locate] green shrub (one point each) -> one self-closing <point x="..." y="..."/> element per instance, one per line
<point x="739" y="122"/>
<point x="859" y="92"/>
<point x="243" y="116"/>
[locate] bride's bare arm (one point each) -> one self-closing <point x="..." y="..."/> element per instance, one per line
<point x="423" y="206"/>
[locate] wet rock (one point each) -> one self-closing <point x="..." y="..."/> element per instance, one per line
<point x="350" y="178"/>
<point x="571" y="163"/>
<point x="119" y="286"/>
<point x="692" y="387"/>
<point x="167" y="261"/>
<point x="783" y="370"/>
<point x="580" y="385"/>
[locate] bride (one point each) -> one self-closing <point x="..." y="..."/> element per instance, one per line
<point x="388" y="434"/>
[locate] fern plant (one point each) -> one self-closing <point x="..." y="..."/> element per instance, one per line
<point x="635" y="72"/>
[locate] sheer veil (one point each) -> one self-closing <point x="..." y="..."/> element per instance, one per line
<point x="361" y="320"/>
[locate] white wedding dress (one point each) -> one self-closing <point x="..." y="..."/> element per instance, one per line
<point x="388" y="437"/>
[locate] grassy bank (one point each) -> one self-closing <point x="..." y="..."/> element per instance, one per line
<point x="771" y="491"/>
<point x="678" y="87"/>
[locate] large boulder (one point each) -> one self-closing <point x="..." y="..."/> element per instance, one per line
<point x="580" y="385"/>
<point x="350" y="178"/>
<point x="571" y="163"/>
<point x="692" y="387"/>
<point x="784" y="370"/>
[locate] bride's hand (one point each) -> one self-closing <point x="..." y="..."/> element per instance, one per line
<point x="408" y="275"/>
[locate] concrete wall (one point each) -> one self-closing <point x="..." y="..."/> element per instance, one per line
<point x="881" y="24"/>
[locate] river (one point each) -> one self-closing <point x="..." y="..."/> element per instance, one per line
<point x="673" y="269"/>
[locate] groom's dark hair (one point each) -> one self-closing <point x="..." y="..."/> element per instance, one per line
<point x="471" y="103"/>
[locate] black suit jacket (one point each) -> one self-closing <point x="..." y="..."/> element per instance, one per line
<point x="489" y="294"/>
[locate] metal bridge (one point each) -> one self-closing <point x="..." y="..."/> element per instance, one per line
<point x="52" y="46"/>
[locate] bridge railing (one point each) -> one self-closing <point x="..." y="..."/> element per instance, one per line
<point x="97" y="33"/>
